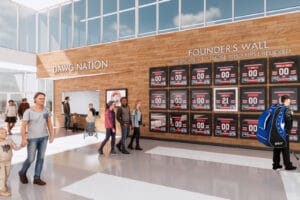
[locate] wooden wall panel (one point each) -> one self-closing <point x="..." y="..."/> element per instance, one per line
<point x="129" y="63"/>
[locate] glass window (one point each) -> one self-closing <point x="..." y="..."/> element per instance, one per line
<point x="168" y="12"/>
<point x="66" y="26"/>
<point x="126" y="4"/>
<point x="110" y="28"/>
<point x="147" y="20"/>
<point x="79" y="23"/>
<point x="8" y="25"/>
<point x="43" y="32"/>
<point x="279" y="6"/>
<point x="54" y="29"/>
<point x="192" y="14"/>
<point x="27" y="29"/>
<point x="248" y="9"/>
<point x="109" y="6"/>
<point x="94" y="22"/>
<point x="218" y="11"/>
<point x="127" y="24"/>
<point x="143" y="2"/>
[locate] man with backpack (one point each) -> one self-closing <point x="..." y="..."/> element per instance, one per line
<point x="285" y="101"/>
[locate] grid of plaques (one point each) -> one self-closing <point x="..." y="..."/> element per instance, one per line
<point x="222" y="99"/>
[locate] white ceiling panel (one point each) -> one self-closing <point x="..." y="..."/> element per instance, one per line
<point x="40" y="4"/>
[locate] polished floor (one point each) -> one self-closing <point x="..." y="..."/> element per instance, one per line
<point x="163" y="170"/>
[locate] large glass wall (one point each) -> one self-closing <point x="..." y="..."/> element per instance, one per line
<point x="78" y="23"/>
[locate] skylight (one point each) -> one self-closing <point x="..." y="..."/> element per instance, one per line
<point x="39" y="4"/>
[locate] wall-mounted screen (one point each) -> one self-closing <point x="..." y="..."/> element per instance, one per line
<point x="179" y="123"/>
<point x="284" y="69"/>
<point x="200" y="124"/>
<point x="158" y="99"/>
<point x="253" y="71"/>
<point x="226" y="125"/>
<point x="201" y="74"/>
<point x="295" y="132"/>
<point x="80" y="100"/>
<point x="158" y="77"/>
<point x="158" y="122"/>
<point x="225" y="99"/>
<point x="178" y="99"/>
<point x="179" y="75"/>
<point x="200" y="99"/>
<point x="248" y="126"/>
<point x="226" y="73"/>
<point x="253" y="99"/>
<point x="292" y="92"/>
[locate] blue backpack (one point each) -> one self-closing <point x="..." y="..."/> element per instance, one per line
<point x="271" y="125"/>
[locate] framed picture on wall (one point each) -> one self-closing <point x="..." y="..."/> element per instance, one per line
<point x="200" y="124"/>
<point x="253" y="99"/>
<point x="179" y="75"/>
<point x="226" y="73"/>
<point x="284" y="69"/>
<point x="158" y="122"/>
<point x="291" y="91"/>
<point x="115" y="95"/>
<point x="158" y="77"/>
<point x="248" y="126"/>
<point x="178" y="99"/>
<point x="201" y="74"/>
<point x="225" y="99"/>
<point x="226" y="125"/>
<point x="200" y="99"/>
<point x="158" y="99"/>
<point x="253" y="71"/>
<point x="179" y="123"/>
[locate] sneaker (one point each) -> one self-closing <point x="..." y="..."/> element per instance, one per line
<point x="39" y="182"/>
<point x="138" y="148"/>
<point x="100" y="151"/>
<point x="23" y="178"/>
<point x="125" y="152"/>
<point x="112" y="152"/>
<point x="130" y="147"/>
<point x="5" y="193"/>
<point x="119" y="146"/>
<point x="291" y="167"/>
<point x="277" y="167"/>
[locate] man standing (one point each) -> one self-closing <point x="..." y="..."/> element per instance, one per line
<point x="22" y="107"/>
<point x="37" y="120"/>
<point x="124" y="118"/>
<point x="285" y="101"/>
<point x="67" y="113"/>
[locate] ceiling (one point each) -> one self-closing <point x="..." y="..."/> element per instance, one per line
<point x="40" y="4"/>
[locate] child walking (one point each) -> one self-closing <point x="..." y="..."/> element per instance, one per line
<point x="6" y="146"/>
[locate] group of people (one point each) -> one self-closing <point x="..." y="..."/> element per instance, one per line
<point x="37" y="131"/>
<point x="11" y="113"/>
<point x="127" y="120"/>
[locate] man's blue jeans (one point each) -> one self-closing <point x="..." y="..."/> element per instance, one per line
<point x="35" y="146"/>
<point x="67" y="121"/>
<point x="125" y="132"/>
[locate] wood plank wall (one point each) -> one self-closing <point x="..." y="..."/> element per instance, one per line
<point x="129" y="62"/>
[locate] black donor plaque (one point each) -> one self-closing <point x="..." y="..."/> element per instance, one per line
<point x="253" y="71"/>
<point x="294" y="135"/>
<point x="292" y="92"/>
<point x="201" y="74"/>
<point x="158" y="122"/>
<point x="158" y="77"/>
<point x="179" y="75"/>
<point x="158" y="99"/>
<point x="200" y="99"/>
<point x="179" y="123"/>
<point x="284" y="69"/>
<point x="253" y="99"/>
<point x="225" y="99"/>
<point x="200" y="124"/>
<point x="178" y="99"/>
<point x="249" y="126"/>
<point x="226" y="73"/>
<point x="226" y="125"/>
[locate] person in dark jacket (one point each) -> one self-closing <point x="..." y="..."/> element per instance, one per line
<point x="67" y="113"/>
<point x="286" y="101"/>
<point x="110" y="125"/>
<point x="22" y="107"/>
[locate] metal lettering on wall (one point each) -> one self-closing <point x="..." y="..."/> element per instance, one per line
<point x="84" y="66"/>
